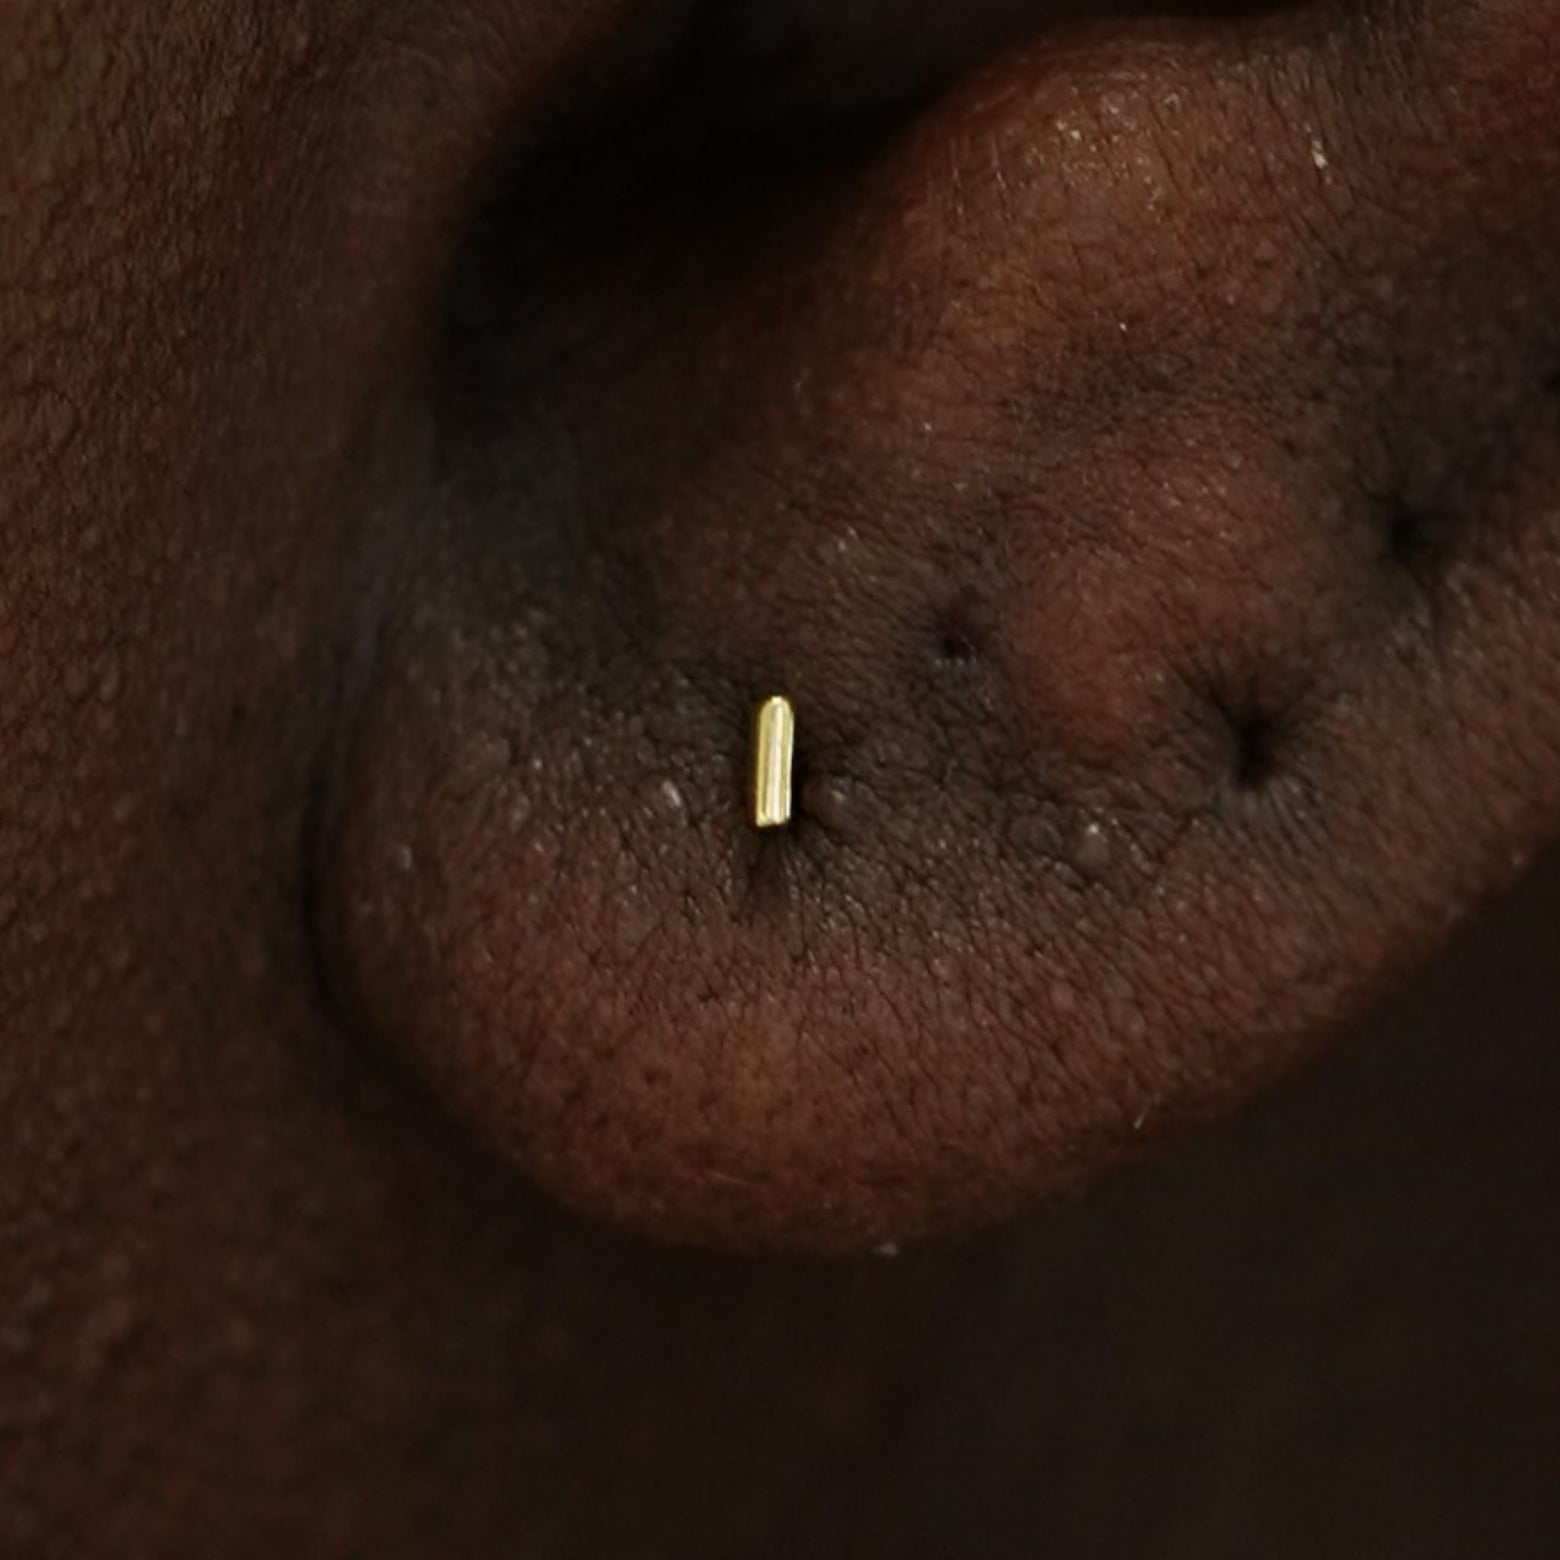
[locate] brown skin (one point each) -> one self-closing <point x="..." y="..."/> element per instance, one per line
<point x="1141" y="462"/>
<point x="1141" y="470"/>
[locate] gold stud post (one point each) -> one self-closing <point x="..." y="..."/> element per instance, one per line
<point x="774" y="748"/>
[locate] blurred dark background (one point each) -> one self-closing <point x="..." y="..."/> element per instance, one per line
<point x="1330" y="1328"/>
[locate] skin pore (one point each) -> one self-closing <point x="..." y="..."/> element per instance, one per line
<point x="429" y="427"/>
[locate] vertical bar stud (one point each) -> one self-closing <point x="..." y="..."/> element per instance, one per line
<point x="774" y="748"/>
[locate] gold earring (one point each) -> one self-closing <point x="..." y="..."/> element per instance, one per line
<point x="774" y="749"/>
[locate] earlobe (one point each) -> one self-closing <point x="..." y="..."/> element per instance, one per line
<point x="1123" y="765"/>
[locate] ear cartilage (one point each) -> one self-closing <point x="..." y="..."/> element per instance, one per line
<point x="774" y="749"/>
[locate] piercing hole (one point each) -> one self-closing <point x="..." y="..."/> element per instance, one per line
<point x="957" y="641"/>
<point x="1413" y="535"/>
<point x="1255" y="735"/>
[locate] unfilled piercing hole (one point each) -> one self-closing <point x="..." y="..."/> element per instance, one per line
<point x="1255" y="738"/>
<point x="957" y="640"/>
<point x="956" y="646"/>
<point x="1413" y="534"/>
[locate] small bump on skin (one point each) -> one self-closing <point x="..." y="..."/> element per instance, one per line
<point x="1093" y="851"/>
<point x="667" y="802"/>
<point x="829" y="803"/>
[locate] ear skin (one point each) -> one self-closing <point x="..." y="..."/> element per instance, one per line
<point x="1041" y="461"/>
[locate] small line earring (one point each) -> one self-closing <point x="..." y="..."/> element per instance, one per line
<point x="774" y="750"/>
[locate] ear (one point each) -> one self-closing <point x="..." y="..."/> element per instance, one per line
<point x="1142" y="471"/>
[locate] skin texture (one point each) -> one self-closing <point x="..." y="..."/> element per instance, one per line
<point x="1123" y="707"/>
<point x="427" y="428"/>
